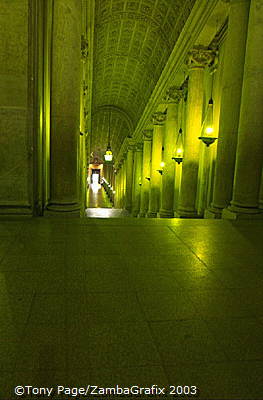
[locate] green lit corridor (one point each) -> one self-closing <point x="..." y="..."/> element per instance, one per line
<point x="132" y="302"/>
<point x="131" y="199"/>
<point x="100" y="206"/>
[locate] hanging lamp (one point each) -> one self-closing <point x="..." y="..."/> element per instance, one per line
<point x="162" y="164"/>
<point x="179" y="152"/>
<point x="108" y="154"/>
<point x="207" y="129"/>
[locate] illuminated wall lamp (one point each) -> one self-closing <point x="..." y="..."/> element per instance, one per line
<point x="208" y="127"/>
<point x="162" y="164"/>
<point x="179" y="148"/>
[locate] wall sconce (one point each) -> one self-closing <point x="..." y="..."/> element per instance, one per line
<point x="207" y="129"/>
<point x="179" y="148"/>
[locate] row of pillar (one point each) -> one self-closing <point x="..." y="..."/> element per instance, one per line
<point x="240" y="159"/>
<point x="238" y="174"/>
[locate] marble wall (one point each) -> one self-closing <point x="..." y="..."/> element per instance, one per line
<point x="15" y="98"/>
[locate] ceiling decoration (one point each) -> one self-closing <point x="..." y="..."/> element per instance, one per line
<point x="133" y="41"/>
<point x="120" y="127"/>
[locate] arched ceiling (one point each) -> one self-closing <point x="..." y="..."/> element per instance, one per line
<point x="120" y="127"/>
<point x="133" y="40"/>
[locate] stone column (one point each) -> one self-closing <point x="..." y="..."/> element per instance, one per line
<point x="234" y="57"/>
<point x="65" y="107"/>
<point x="198" y="59"/>
<point x="261" y="193"/>
<point x="117" y="188"/>
<point x="137" y="180"/>
<point x="146" y="172"/>
<point x="123" y="181"/>
<point x="171" y="129"/>
<point x="249" y="157"/>
<point x="155" y="183"/>
<point x="120" y="184"/>
<point x="129" y="178"/>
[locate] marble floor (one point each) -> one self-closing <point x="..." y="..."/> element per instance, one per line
<point x="97" y="197"/>
<point x="123" y="301"/>
<point x="100" y="206"/>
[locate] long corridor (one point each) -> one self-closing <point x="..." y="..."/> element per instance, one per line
<point x="132" y="302"/>
<point x="100" y="206"/>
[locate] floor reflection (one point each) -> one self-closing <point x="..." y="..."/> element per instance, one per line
<point x="97" y="197"/>
<point x="100" y="205"/>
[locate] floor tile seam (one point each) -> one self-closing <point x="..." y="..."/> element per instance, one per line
<point x="26" y="323"/>
<point x="152" y="336"/>
<point x="189" y="248"/>
<point x="203" y="262"/>
<point x="9" y="246"/>
<point x="221" y="346"/>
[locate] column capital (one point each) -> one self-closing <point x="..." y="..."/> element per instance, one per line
<point x="84" y="48"/>
<point x="85" y="88"/>
<point x="130" y="143"/>
<point x="147" y="134"/>
<point x="200" y="57"/>
<point x="131" y="147"/>
<point x="158" y="118"/>
<point x="173" y="95"/>
<point x="139" y="146"/>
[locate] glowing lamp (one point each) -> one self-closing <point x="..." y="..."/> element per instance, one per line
<point x="162" y="164"/>
<point x="179" y="153"/>
<point x="209" y="130"/>
<point x="108" y="154"/>
<point x="207" y="127"/>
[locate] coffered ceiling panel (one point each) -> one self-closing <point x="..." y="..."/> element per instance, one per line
<point x="120" y="127"/>
<point x="133" y="41"/>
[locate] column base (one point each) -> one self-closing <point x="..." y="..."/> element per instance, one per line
<point x="166" y="214"/>
<point x="135" y="213"/>
<point x="62" y="210"/>
<point x="236" y="213"/>
<point x="187" y="214"/>
<point x="142" y="214"/>
<point x="213" y="213"/>
<point x="151" y="214"/>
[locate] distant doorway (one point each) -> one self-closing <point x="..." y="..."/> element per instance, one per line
<point x="95" y="177"/>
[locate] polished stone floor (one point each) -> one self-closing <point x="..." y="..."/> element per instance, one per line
<point x="100" y="206"/>
<point x="97" y="197"/>
<point x="132" y="302"/>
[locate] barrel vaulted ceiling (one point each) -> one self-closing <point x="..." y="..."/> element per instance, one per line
<point x="133" y="40"/>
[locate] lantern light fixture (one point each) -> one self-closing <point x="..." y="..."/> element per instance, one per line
<point x="108" y="154"/>
<point x="162" y="164"/>
<point x="179" y="148"/>
<point x="207" y="129"/>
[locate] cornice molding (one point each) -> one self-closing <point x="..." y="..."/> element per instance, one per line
<point x="147" y="134"/>
<point x="192" y="28"/>
<point x="173" y="95"/>
<point x="200" y="57"/>
<point x="158" y="118"/>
